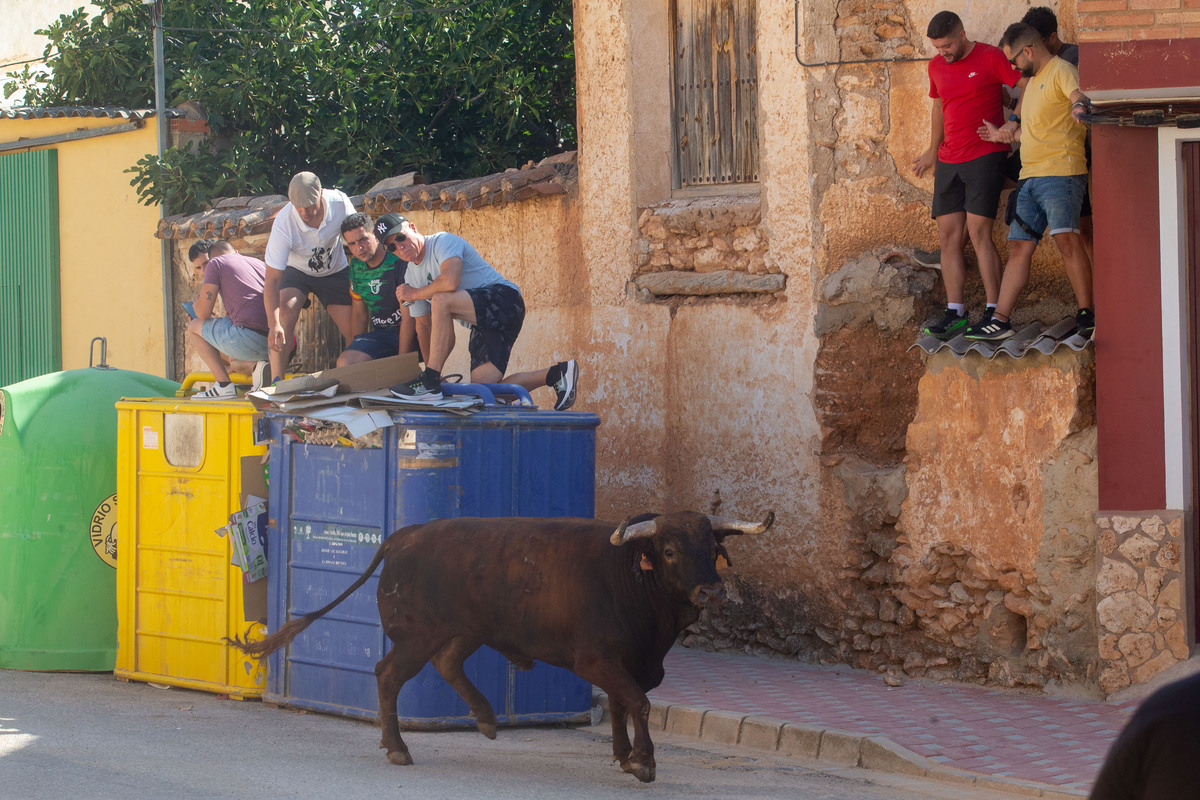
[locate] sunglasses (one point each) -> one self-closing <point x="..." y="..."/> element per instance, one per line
<point x="1013" y="60"/>
<point x="394" y="244"/>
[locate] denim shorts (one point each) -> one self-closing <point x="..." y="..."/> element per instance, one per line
<point x="379" y="343"/>
<point x="240" y="344"/>
<point x="1053" y="201"/>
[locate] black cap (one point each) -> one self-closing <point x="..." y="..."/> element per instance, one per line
<point x="388" y="225"/>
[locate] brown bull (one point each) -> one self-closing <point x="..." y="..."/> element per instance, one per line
<point x="605" y="601"/>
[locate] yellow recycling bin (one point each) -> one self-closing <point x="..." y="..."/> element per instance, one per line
<point x="178" y="595"/>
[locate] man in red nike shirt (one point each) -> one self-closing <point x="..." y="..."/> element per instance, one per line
<point x="967" y="82"/>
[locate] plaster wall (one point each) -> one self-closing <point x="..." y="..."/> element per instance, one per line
<point x="111" y="273"/>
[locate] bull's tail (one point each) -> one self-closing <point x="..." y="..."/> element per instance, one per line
<point x="289" y="631"/>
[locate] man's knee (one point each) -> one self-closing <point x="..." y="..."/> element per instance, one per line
<point x="1069" y="243"/>
<point x="442" y="304"/>
<point x="195" y="327"/>
<point x="349" y="357"/>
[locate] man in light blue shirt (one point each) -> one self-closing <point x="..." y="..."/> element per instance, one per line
<point x="447" y="280"/>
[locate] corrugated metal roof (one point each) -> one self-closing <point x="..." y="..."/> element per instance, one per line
<point x="112" y="112"/>
<point x="1035" y="337"/>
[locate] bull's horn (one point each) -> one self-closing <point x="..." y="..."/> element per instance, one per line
<point x="638" y="530"/>
<point x="725" y="523"/>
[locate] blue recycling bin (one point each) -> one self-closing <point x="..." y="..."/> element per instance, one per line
<point x="331" y="507"/>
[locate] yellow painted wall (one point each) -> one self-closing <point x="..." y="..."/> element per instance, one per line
<point x="110" y="264"/>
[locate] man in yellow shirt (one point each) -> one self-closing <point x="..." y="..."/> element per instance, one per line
<point x="1053" y="176"/>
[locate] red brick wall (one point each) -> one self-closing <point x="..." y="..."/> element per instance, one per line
<point x="1125" y="20"/>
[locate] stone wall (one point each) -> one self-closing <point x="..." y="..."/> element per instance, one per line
<point x="703" y="235"/>
<point x="704" y="246"/>
<point x="1141" y="594"/>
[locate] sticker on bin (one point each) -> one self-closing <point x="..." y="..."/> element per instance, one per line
<point x="246" y="530"/>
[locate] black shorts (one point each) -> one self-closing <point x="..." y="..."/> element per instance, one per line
<point x="972" y="186"/>
<point x="499" y="315"/>
<point x="331" y="290"/>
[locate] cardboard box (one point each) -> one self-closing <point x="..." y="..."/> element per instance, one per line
<point x="254" y="491"/>
<point x="245" y="531"/>
<point x="368" y="376"/>
<point x="254" y="479"/>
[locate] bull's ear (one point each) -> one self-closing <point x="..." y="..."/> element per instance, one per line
<point x="724" y="526"/>
<point x="636" y="527"/>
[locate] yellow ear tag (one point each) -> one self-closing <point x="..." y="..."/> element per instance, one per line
<point x="645" y="564"/>
<point x="722" y="562"/>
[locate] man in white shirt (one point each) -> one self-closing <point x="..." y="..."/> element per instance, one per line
<point x="304" y="256"/>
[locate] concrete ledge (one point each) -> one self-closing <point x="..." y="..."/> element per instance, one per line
<point x="881" y="753"/>
<point x="721" y="727"/>
<point x="684" y="282"/>
<point x="761" y="733"/>
<point x="797" y="741"/>
<point x="684" y="721"/>
<point x="839" y="747"/>
<point x="658" y="717"/>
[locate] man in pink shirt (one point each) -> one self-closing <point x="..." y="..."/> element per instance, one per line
<point x="967" y="82"/>
<point x="241" y="335"/>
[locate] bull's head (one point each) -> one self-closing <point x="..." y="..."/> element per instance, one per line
<point x="686" y="547"/>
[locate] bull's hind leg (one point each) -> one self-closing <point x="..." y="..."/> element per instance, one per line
<point x="391" y="672"/>
<point x="449" y="663"/>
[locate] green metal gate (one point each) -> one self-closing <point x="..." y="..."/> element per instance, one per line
<point x="30" y="320"/>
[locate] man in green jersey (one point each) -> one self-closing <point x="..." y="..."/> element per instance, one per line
<point x="374" y="275"/>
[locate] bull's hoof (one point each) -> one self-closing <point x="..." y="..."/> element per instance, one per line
<point x="488" y="729"/>
<point x="400" y="758"/>
<point x="643" y="772"/>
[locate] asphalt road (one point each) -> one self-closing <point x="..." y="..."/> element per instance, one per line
<point x="91" y="737"/>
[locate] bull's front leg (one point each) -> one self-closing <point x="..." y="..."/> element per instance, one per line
<point x="619" y="717"/>
<point x="626" y="701"/>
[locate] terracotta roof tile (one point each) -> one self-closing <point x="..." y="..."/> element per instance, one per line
<point x="247" y="216"/>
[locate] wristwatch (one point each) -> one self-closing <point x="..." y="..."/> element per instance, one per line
<point x="1013" y="118"/>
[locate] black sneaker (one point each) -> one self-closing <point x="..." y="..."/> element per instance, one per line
<point x="949" y="326"/>
<point x="422" y="387"/>
<point x="989" y="330"/>
<point x="928" y="258"/>
<point x="986" y="316"/>
<point x="1085" y="322"/>
<point x="564" y="387"/>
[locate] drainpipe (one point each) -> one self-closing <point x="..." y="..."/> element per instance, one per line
<point x="160" y="115"/>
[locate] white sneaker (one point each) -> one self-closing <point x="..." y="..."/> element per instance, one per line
<point x="261" y="375"/>
<point x="564" y="387"/>
<point x="217" y="392"/>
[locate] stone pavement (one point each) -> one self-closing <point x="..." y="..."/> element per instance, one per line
<point x="1026" y="743"/>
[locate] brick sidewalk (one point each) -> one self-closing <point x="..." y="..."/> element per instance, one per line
<point x="1008" y="735"/>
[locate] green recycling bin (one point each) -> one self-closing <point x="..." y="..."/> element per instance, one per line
<point x="58" y="483"/>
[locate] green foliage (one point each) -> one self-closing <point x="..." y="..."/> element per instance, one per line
<point x="354" y="90"/>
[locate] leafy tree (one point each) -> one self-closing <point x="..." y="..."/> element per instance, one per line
<point x="354" y="90"/>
